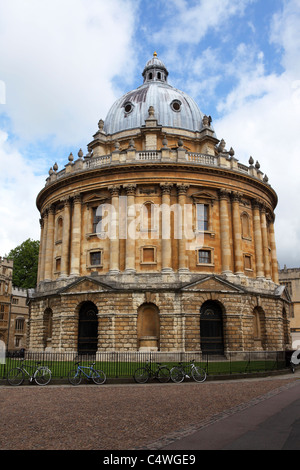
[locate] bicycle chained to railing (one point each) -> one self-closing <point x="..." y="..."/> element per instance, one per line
<point x="180" y="372"/>
<point x="143" y="374"/>
<point x="41" y="375"/>
<point x="75" y="376"/>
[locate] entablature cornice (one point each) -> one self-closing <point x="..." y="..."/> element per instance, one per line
<point x="124" y="172"/>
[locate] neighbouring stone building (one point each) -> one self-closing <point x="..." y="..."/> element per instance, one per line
<point x="290" y="278"/>
<point x="14" y="310"/>
<point x="6" y="271"/>
<point x="158" y="238"/>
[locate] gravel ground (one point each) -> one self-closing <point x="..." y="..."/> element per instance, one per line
<point x="116" y="417"/>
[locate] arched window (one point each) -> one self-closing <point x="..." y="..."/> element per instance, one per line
<point x="48" y="321"/>
<point x="258" y="328"/>
<point x="148" y="217"/>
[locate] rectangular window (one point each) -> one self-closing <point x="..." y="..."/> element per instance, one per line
<point x="97" y="219"/>
<point x="247" y="262"/>
<point x="204" y="257"/>
<point x="148" y="255"/>
<point x="19" y="324"/>
<point x="95" y="258"/>
<point x="202" y="217"/>
<point x="58" y="265"/>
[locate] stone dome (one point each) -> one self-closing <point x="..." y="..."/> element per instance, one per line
<point x="172" y="107"/>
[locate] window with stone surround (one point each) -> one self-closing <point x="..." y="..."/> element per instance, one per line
<point x="95" y="258"/>
<point x="19" y="325"/>
<point x="57" y="265"/>
<point x="202" y="212"/>
<point x="97" y="219"/>
<point x="148" y="255"/>
<point x="205" y="256"/>
<point x="247" y="262"/>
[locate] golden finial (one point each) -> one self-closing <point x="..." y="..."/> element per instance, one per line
<point x="155" y="54"/>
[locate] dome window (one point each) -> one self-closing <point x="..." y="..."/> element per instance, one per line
<point x="176" y="106"/>
<point x="128" y="107"/>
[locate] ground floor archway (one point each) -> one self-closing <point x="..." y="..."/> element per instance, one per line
<point x="211" y="328"/>
<point x="88" y="329"/>
<point x="148" y="327"/>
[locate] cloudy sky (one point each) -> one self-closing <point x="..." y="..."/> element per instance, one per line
<point x="64" y="62"/>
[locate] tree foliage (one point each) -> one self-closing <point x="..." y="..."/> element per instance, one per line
<point x="25" y="257"/>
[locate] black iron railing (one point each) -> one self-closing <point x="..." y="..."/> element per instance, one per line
<point x="123" y="364"/>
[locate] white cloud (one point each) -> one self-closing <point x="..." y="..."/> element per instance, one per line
<point x="194" y="20"/>
<point x="58" y="59"/>
<point x="19" y="187"/>
<point x="261" y="118"/>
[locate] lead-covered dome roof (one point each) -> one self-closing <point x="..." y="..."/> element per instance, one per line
<point x="172" y="107"/>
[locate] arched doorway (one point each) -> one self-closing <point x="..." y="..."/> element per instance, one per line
<point x="211" y="328"/>
<point x="148" y="328"/>
<point x="88" y="329"/>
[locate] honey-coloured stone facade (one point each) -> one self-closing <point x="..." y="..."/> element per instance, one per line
<point x="158" y="239"/>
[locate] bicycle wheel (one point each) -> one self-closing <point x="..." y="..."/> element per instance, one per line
<point x="198" y="374"/>
<point x="74" y="377"/>
<point x="42" y="375"/>
<point x="15" y="376"/>
<point x="177" y="375"/>
<point x="141" y="375"/>
<point x="163" y="374"/>
<point x="98" y="377"/>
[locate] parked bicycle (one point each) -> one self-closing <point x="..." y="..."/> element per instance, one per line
<point x="41" y="375"/>
<point x="295" y="360"/>
<point x="180" y="372"/>
<point x="143" y="374"/>
<point x="75" y="376"/>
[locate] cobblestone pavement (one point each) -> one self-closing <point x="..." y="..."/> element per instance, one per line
<point x="121" y="417"/>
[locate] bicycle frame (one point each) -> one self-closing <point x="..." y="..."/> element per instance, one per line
<point x="91" y="369"/>
<point x="34" y="369"/>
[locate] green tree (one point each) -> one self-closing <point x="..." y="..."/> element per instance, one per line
<point x="25" y="258"/>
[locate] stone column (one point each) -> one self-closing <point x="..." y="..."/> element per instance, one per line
<point x="131" y="229"/>
<point x="49" y="244"/>
<point x="274" y="261"/>
<point x="265" y="243"/>
<point x="166" y="248"/>
<point x="76" y="236"/>
<point x="65" y="253"/>
<point x="114" y="263"/>
<point x="237" y="234"/>
<point x="258" y="240"/>
<point x="182" y="255"/>
<point x="225" y="232"/>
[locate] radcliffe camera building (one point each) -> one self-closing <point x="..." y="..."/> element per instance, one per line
<point x="158" y="239"/>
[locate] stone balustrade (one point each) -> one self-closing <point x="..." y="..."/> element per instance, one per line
<point x="166" y="155"/>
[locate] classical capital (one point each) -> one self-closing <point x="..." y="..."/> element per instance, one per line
<point x="130" y="189"/>
<point x="182" y="188"/>
<point x="114" y="190"/>
<point x="236" y="196"/>
<point x="77" y="198"/>
<point x="224" y="194"/>
<point x="166" y="188"/>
